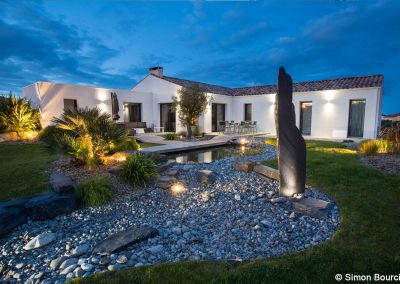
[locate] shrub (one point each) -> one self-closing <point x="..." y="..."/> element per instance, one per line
<point x="392" y="134"/>
<point x="139" y="169"/>
<point x="88" y="134"/>
<point x="94" y="191"/>
<point x="271" y="141"/>
<point x="49" y="135"/>
<point x="197" y="131"/>
<point x="127" y="144"/>
<point x="368" y="147"/>
<point x="182" y="133"/>
<point x="385" y="146"/>
<point x="18" y="115"/>
<point x="170" y="136"/>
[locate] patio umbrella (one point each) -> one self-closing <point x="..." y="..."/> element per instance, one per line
<point x="114" y="106"/>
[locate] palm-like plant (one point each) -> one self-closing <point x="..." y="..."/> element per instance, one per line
<point x="89" y="134"/>
<point x="392" y="134"/>
<point x="18" y="115"/>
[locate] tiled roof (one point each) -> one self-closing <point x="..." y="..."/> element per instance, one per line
<point x="319" y="85"/>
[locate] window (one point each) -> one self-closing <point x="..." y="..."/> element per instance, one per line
<point x="356" y="118"/>
<point x="135" y="112"/>
<point x="70" y="104"/>
<point x="247" y="112"/>
<point x="217" y="115"/>
<point x="305" y="117"/>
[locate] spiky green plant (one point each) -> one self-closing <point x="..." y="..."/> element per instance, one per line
<point x="94" y="191"/>
<point x="139" y="169"/>
<point x="392" y="134"/>
<point x="88" y="134"/>
<point x="18" y="115"/>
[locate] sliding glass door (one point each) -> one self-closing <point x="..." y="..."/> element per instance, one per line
<point x="305" y="117"/>
<point x="356" y="118"/>
<point x="167" y="117"/>
<point x="135" y="112"/>
<point x="218" y="114"/>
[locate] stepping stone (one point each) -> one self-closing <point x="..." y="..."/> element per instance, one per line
<point x="312" y="207"/>
<point x="165" y="166"/>
<point x="206" y="176"/>
<point x="244" y="166"/>
<point x="12" y="214"/>
<point x="267" y="172"/>
<point x="40" y="241"/>
<point x="121" y="240"/>
<point x="48" y="206"/>
<point x="61" y="184"/>
<point x="165" y="182"/>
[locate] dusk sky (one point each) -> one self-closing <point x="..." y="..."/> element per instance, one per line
<point x="111" y="44"/>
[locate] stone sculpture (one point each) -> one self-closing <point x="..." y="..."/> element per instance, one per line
<point x="291" y="145"/>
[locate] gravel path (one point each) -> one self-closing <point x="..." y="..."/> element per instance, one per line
<point x="229" y="219"/>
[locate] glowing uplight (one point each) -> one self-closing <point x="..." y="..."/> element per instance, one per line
<point x="178" y="188"/>
<point x="121" y="159"/>
<point x="243" y="141"/>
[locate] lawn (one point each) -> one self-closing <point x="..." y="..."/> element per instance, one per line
<point x="147" y="145"/>
<point x="367" y="241"/>
<point x="21" y="170"/>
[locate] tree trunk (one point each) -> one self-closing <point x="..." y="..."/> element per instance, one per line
<point x="189" y="131"/>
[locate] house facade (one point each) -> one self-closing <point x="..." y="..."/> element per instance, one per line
<point x="330" y="109"/>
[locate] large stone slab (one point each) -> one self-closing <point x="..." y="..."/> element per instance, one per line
<point x="40" y="241"/>
<point x="291" y="145"/>
<point x="61" y="183"/>
<point x="121" y="240"/>
<point x="12" y="214"/>
<point x="313" y="207"/>
<point x="206" y="176"/>
<point x="48" y="206"/>
<point x="245" y="166"/>
<point x="266" y="171"/>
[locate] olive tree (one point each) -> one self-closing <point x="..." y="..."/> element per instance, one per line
<point x="190" y="104"/>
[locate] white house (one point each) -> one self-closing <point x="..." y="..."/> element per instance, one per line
<point x="336" y="108"/>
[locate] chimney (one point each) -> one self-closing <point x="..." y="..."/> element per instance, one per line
<point x="157" y="70"/>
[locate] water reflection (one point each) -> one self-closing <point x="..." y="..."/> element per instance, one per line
<point x="208" y="155"/>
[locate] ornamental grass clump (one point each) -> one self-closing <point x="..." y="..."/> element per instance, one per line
<point x="139" y="169"/>
<point x="170" y="136"/>
<point x="94" y="191"/>
<point x="369" y="147"/>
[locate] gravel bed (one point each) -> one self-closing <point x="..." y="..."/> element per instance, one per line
<point x="386" y="163"/>
<point x="229" y="219"/>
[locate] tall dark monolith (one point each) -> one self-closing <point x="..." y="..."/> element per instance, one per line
<point x="291" y="145"/>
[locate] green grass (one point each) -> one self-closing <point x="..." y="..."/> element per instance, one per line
<point x="367" y="241"/>
<point x="21" y="170"/>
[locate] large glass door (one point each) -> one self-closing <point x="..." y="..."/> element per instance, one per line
<point x="356" y="118"/>
<point x="305" y="117"/>
<point x="135" y="112"/>
<point x="167" y="117"/>
<point x="217" y="115"/>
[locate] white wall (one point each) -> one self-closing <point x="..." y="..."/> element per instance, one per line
<point x="50" y="98"/>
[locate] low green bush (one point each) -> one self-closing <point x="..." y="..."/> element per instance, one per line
<point x="49" y="135"/>
<point x="197" y="132"/>
<point x="94" y="192"/>
<point x="139" y="169"/>
<point x="170" y="136"/>
<point x="127" y="144"/>
<point x="368" y="147"/>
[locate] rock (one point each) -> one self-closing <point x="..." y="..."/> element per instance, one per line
<point x="165" y="182"/>
<point x="245" y="166"/>
<point x="48" y="206"/>
<point x="156" y="249"/>
<point x="19" y="265"/>
<point x="313" y="207"/>
<point x="187" y="167"/>
<point x="266" y="223"/>
<point x="280" y="199"/>
<point x="80" y="250"/>
<point x="176" y="230"/>
<point x="123" y="239"/>
<point x="40" y="241"/>
<point x="237" y="197"/>
<point x="115" y="170"/>
<point x="267" y="172"/>
<point x="68" y="262"/>
<point x="61" y="184"/>
<point x="139" y="264"/>
<point x="78" y="272"/>
<point x="206" y="176"/>
<point x="104" y="261"/>
<point x="95" y="260"/>
<point x="114" y="267"/>
<point x="87" y="267"/>
<point x="55" y="263"/>
<point x="165" y="166"/>
<point x="68" y="269"/>
<point x="122" y="259"/>
<point x="292" y="215"/>
<point x="171" y="172"/>
<point x="12" y="215"/>
<point x="291" y="144"/>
